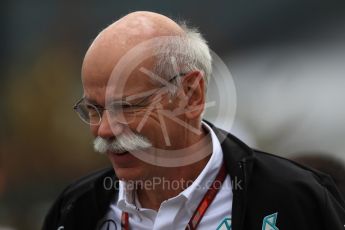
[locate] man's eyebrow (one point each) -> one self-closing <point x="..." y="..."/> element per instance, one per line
<point x="91" y="101"/>
<point x="117" y="99"/>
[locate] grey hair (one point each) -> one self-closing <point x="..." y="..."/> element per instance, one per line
<point x="182" y="54"/>
<point x="122" y="143"/>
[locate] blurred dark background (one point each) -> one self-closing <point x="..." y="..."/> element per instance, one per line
<point x="287" y="59"/>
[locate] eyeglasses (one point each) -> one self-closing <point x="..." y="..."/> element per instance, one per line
<point x="123" y="111"/>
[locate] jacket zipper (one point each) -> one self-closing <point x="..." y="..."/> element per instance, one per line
<point x="242" y="194"/>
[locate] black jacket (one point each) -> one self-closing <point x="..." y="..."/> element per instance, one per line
<point x="303" y="198"/>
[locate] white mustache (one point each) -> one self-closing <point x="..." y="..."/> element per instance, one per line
<point x="122" y="143"/>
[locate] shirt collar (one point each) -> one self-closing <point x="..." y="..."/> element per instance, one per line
<point x="126" y="198"/>
<point x="199" y="187"/>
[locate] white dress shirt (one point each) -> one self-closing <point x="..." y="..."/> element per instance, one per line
<point x="176" y="212"/>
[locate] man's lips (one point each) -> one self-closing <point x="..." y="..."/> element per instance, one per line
<point x="125" y="159"/>
<point x="118" y="154"/>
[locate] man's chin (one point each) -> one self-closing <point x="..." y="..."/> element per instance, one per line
<point x="128" y="174"/>
<point x="126" y="166"/>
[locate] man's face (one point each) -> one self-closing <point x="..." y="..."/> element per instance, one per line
<point x="160" y="130"/>
<point x="104" y="83"/>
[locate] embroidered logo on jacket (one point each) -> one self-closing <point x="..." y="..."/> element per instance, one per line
<point x="269" y="222"/>
<point x="225" y="224"/>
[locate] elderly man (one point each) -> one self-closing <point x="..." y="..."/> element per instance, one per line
<point x="145" y="79"/>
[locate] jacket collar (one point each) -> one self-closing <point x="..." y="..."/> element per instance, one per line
<point x="238" y="159"/>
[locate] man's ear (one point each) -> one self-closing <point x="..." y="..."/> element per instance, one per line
<point x="194" y="91"/>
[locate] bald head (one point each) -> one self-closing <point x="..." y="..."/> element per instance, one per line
<point x="115" y="40"/>
<point x="163" y="47"/>
<point x="143" y="25"/>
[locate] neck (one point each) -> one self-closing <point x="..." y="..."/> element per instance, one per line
<point x="185" y="175"/>
<point x="152" y="198"/>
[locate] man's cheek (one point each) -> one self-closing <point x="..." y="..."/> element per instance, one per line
<point x="94" y="130"/>
<point x="145" y="125"/>
<point x="154" y="136"/>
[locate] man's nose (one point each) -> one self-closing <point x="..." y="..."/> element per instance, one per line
<point x="108" y="128"/>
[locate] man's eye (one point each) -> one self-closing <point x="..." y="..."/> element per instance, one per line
<point x="90" y="108"/>
<point x="131" y="108"/>
<point x="126" y="106"/>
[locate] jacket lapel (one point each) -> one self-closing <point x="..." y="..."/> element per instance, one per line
<point x="238" y="159"/>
